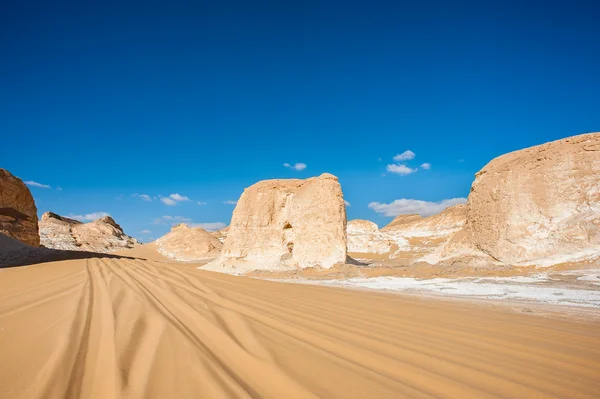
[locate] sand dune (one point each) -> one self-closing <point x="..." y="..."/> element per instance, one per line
<point x="123" y="328"/>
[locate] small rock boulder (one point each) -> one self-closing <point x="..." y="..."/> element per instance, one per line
<point x="189" y="244"/>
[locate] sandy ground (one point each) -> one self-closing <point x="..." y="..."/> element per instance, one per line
<point x="134" y="328"/>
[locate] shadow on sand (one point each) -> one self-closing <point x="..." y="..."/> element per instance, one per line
<point x="14" y="253"/>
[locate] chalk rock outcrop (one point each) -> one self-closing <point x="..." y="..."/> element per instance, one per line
<point x="364" y="237"/>
<point x="18" y="213"/>
<point x="221" y="235"/>
<point x="286" y="224"/>
<point x="537" y="206"/>
<point x="416" y="236"/>
<point x="189" y="244"/>
<point x="102" y="235"/>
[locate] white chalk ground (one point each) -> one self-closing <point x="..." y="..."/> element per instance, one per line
<point x="542" y="288"/>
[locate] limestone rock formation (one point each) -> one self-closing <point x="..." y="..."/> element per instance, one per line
<point x="364" y="237"/>
<point x="189" y="244"/>
<point x="286" y="224"/>
<point x="537" y="206"/>
<point x="102" y="235"/>
<point x="18" y="213"/>
<point x="221" y="235"/>
<point x="416" y="236"/>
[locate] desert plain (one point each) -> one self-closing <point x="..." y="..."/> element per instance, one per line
<point x="496" y="298"/>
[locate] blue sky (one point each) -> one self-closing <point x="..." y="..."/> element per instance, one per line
<point x="202" y="100"/>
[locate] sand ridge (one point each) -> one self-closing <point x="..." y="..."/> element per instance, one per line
<point x="132" y="328"/>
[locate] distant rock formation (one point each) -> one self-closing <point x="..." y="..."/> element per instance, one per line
<point x="189" y="244"/>
<point x="416" y="236"/>
<point x="286" y="224"/>
<point x="537" y="206"/>
<point x="364" y="237"/>
<point x="18" y="213"/>
<point x="221" y="235"/>
<point x="102" y="235"/>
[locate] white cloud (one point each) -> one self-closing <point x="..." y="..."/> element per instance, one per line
<point x="230" y="202"/>
<point x="426" y="166"/>
<point x="168" y="201"/>
<point x="347" y="203"/>
<point x="410" y="206"/>
<point x="88" y="217"/>
<point x="173" y="199"/>
<point x="201" y="203"/>
<point x="209" y="226"/>
<point x="58" y="188"/>
<point x="405" y="156"/>
<point x="32" y="183"/>
<point x="172" y="220"/>
<point x="299" y="166"/>
<point x="145" y="232"/>
<point x="401" y="170"/>
<point x="143" y="197"/>
<point x="177" y="197"/>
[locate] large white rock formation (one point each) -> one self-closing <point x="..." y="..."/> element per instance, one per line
<point x="286" y="224"/>
<point x="537" y="206"/>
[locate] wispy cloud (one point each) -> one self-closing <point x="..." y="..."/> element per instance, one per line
<point x="347" y="203"/>
<point x="143" y="197"/>
<point x="298" y="166"/>
<point x="426" y="166"/>
<point x="173" y="199"/>
<point x="178" y="197"/>
<point x="410" y="206"/>
<point x="168" y="201"/>
<point x="405" y="156"/>
<point x="58" y="188"/>
<point x="230" y="202"/>
<point x="400" y="169"/>
<point x="145" y="232"/>
<point x="214" y="226"/>
<point x="88" y="217"/>
<point x="32" y="183"/>
<point x="172" y="220"/>
<point x="201" y="203"/>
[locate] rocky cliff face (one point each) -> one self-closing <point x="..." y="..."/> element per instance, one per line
<point x="18" y="213"/>
<point x="537" y="206"/>
<point x="286" y="224"/>
<point x="102" y="235"/>
<point x="364" y="237"/>
<point x="189" y="244"/>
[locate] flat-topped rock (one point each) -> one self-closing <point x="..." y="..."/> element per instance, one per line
<point x="286" y="224"/>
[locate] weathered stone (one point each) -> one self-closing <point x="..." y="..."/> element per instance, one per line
<point x="102" y="235"/>
<point x="18" y="213"/>
<point x="364" y="237"/>
<point x="189" y="244"/>
<point x="537" y="206"/>
<point x="286" y="224"/>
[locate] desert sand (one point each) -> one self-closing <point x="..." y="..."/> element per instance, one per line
<point x="144" y="327"/>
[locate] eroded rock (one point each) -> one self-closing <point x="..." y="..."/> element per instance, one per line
<point x="286" y="224"/>
<point x="102" y="235"/>
<point x="18" y="213"/>
<point x="189" y="244"/>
